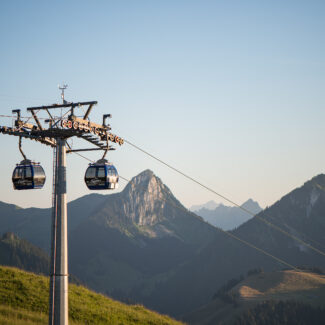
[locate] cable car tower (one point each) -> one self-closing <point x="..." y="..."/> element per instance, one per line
<point x="30" y="175"/>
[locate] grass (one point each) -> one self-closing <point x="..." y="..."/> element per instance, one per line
<point x="11" y="316"/>
<point x="283" y="285"/>
<point x="24" y="300"/>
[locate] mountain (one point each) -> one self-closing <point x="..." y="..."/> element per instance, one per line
<point x="240" y="299"/>
<point x="22" y="254"/>
<point x="299" y="213"/>
<point x="226" y="217"/>
<point x="142" y="245"/>
<point x="34" y="224"/>
<point x="147" y="208"/>
<point x="121" y="244"/>
<point x="24" y="300"/>
<point x="210" y="205"/>
<point x="138" y="237"/>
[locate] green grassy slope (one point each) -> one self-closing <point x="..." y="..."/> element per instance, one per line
<point x="24" y="300"/>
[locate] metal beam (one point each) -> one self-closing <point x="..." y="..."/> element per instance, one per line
<point x="90" y="149"/>
<point x="36" y="120"/>
<point x="61" y="105"/>
<point x="24" y="134"/>
<point x="50" y="115"/>
<point x="94" y="141"/>
<point x="54" y="133"/>
<point x="88" y="111"/>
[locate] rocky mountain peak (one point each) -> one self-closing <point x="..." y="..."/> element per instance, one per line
<point x="140" y="205"/>
<point x="144" y="176"/>
<point x="144" y="198"/>
<point x="146" y="207"/>
<point x="145" y="185"/>
<point x="252" y="206"/>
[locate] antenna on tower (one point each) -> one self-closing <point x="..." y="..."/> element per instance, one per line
<point x="63" y="88"/>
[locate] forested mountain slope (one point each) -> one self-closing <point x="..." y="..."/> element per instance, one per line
<point x="22" y="254"/>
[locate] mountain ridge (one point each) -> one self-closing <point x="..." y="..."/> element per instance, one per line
<point x="229" y="217"/>
<point x="210" y="205"/>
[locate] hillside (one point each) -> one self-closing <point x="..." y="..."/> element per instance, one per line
<point x="282" y="313"/>
<point x="34" y="224"/>
<point x="24" y="300"/>
<point x="304" y="288"/>
<point x="20" y="253"/>
<point x="17" y="252"/>
<point x="300" y="213"/>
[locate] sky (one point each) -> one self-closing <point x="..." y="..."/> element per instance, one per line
<point x="229" y="92"/>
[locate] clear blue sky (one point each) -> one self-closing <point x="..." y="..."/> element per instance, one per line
<point x="230" y="92"/>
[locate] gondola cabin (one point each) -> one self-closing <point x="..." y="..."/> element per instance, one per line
<point x="101" y="175"/>
<point x="28" y="175"/>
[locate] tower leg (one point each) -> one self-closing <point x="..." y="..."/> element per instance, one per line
<point x="58" y="295"/>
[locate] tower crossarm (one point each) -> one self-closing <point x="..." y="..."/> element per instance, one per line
<point x="72" y="105"/>
<point x="88" y="111"/>
<point x="27" y="134"/>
